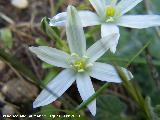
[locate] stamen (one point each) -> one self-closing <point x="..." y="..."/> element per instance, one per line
<point x="79" y="65"/>
<point x="74" y="54"/>
<point x="89" y="65"/>
<point x="81" y="70"/>
<point x="110" y="19"/>
<point x="85" y="57"/>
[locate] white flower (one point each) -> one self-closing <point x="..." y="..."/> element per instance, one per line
<point x="110" y="15"/>
<point x="79" y="66"/>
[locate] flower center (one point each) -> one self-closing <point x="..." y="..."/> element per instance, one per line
<point x="110" y="11"/>
<point x="79" y="65"/>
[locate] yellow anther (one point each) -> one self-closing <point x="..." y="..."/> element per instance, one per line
<point x="110" y="11"/>
<point x="79" y="65"/>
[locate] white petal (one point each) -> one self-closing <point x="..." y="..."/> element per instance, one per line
<point x="51" y="56"/>
<point x="99" y="6"/>
<point x="126" y="5"/>
<point x="101" y="46"/>
<point x="108" y="2"/>
<point x="86" y="90"/>
<point x="55" y="88"/>
<point x="59" y="19"/>
<point x="108" y="73"/>
<point x="88" y="18"/>
<point x="75" y="34"/>
<point x="139" y="21"/>
<point x="114" y="2"/>
<point x="111" y="2"/>
<point x="109" y="29"/>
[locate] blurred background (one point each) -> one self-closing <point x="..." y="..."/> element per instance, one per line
<point x="21" y="71"/>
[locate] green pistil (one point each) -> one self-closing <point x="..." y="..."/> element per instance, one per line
<point x="110" y="11"/>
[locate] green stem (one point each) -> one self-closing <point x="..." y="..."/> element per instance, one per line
<point x="134" y="91"/>
<point x="87" y="102"/>
<point x="126" y="60"/>
<point x="139" y="52"/>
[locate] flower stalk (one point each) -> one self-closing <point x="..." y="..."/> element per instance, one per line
<point x="135" y="93"/>
<point x="93" y="97"/>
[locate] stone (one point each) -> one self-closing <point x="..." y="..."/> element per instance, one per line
<point x="21" y="4"/>
<point x="19" y="91"/>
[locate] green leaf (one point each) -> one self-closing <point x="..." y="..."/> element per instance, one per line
<point x="52" y="32"/>
<point x="46" y="65"/>
<point x="122" y="61"/>
<point x="47" y="111"/>
<point x="62" y="45"/>
<point x="6" y="36"/>
<point x="59" y="3"/>
<point x="157" y="110"/>
<point x="155" y="96"/>
<point x="41" y="42"/>
<point x="109" y="107"/>
<point x="50" y="75"/>
<point x="150" y="110"/>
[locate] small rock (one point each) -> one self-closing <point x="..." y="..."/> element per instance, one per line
<point x="2" y="65"/>
<point x="19" y="91"/>
<point x="57" y="104"/>
<point x="1" y="97"/>
<point x="8" y="110"/>
<point x="21" y="4"/>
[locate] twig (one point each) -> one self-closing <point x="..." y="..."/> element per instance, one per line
<point x="6" y="18"/>
<point x="33" y="15"/>
<point x="26" y="24"/>
<point x="33" y="63"/>
<point x="52" y="11"/>
<point x="14" y="70"/>
<point x="152" y="68"/>
<point x="22" y="33"/>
